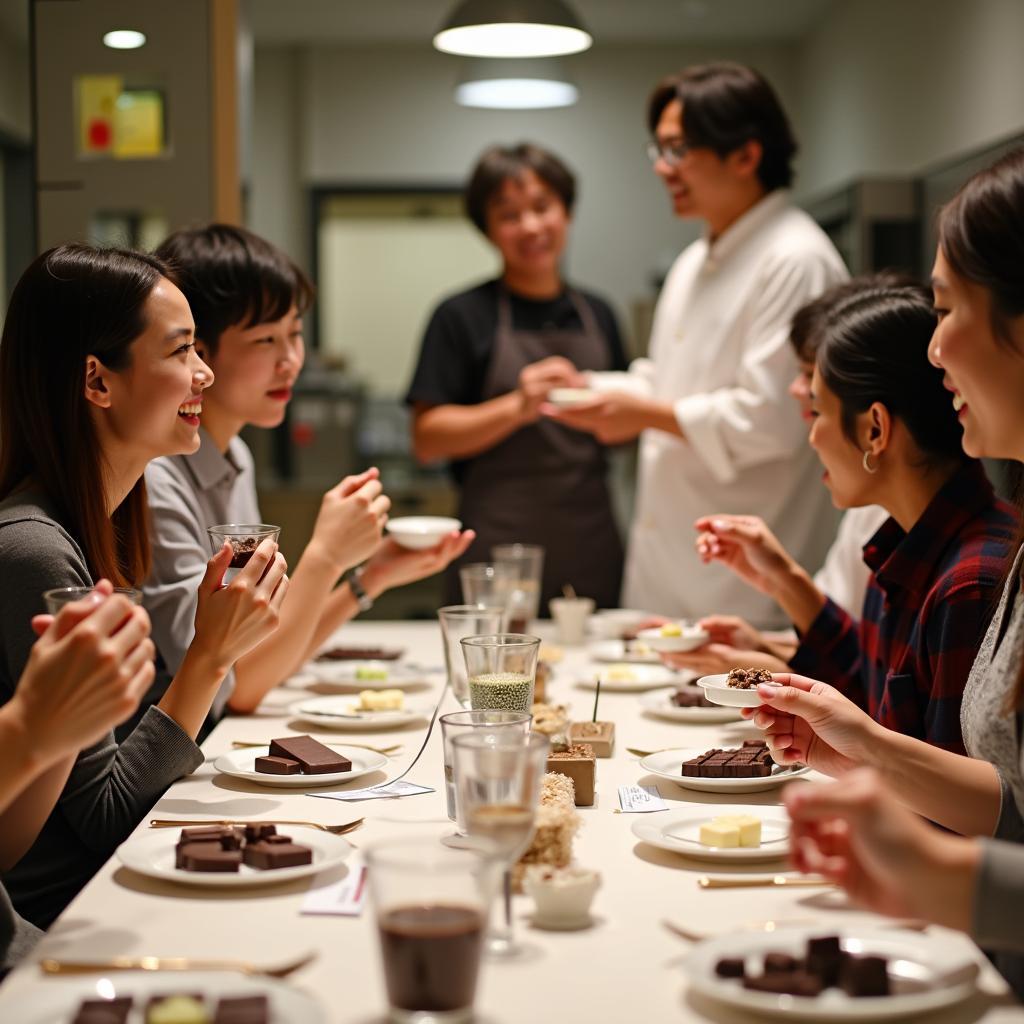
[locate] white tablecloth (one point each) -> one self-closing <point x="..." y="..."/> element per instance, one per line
<point x="626" y="967"/>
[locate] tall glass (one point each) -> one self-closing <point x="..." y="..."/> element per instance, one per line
<point x="458" y="621"/>
<point x="526" y="561"/>
<point x="456" y="723"/>
<point x="498" y="777"/>
<point x="486" y="585"/>
<point x="432" y="905"/>
<point x="502" y="670"/>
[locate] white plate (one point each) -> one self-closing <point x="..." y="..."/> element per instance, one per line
<point x="682" y="834"/>
<point x="421" y="532"/>
<point x="931" y="975"/>
<point x="343" y="673"/>
<point x="622" y="650"/>
<point x="659" y="703"/>
<point x="692" y="637"/>
<point x="152" y="854"/>
<point x="668" y="764"/>
<point x="343" y="713"/>
<point x="646" y="677"/>
<point x="567" y="398"/>
<point x="241" y="765"/>
<point x="728" y="696"/>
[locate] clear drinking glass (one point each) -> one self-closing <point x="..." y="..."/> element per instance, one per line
<point x="526" y="561"/>
<point x="457" y="722"/>
<point x="57" y="598"/>
<point x="498" y="777"/>
<point x="462" y="620"/>
<point x="244" y="539"/>
<point x="486" y="585"/>
<point x="502" y="669"/>
<point x="431" y="905"/>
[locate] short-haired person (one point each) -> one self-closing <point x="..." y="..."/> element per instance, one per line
<point x="887" y="435"/>
<point x="861" y="832"/>
<point x="248" y="299"/>
<point x="98" y="375"/>
<point x="487" y="361"/>
<point x="709" y="403"/>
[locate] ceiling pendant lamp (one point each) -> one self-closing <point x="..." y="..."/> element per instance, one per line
<point x="515" y="85"/>
<point x="512" y="28"/>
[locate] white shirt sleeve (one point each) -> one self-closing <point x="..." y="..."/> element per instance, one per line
<point x="754" y="421"/>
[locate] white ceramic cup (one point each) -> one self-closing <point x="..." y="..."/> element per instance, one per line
<point x="570" y="615"/>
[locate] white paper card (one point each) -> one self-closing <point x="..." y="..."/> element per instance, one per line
<point x="344" y="897"/>
<point x="641" y="799"/>
<point x="388" y="792"/>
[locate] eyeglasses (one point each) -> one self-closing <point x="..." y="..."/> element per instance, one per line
<point x="671" y="152"/>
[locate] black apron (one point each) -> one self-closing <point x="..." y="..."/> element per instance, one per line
<point x="545" y="484"/>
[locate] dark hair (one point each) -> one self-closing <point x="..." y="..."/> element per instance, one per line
<point x="874" y="348"/>
<point x="499" y="163"/>
<point x="726" y="105"/>
<point x="72" y="302"/>
<point x="981" y="235"/>
<point x="809" y="320"/>
<point x="231" y="276"/>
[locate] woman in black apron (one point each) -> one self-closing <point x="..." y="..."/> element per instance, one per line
<point x="487" y="360"/>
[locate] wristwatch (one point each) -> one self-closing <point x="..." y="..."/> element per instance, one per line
<point x="363" y="599"/>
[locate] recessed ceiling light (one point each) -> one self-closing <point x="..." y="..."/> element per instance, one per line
<point x="500" y="28"/>
<point x="124" y="39"/>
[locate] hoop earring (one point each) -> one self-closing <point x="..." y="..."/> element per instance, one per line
<point x="868" y="468"/>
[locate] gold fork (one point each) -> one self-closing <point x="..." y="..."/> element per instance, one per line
<point x="173" y="963"/>
<point x="394" y="748"/>
<point x="336" y="830"/>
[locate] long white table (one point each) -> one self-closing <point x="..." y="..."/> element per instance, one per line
<point x="625" y="967"/>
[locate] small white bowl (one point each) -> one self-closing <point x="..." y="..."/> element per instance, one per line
<point x="614" y="623"/>
<point x="421" y="532"/>
<point x="561" y="896"/>
<point x="718" y="692"/>
<point x="692" y="637"/>
<point x="567" y="398"/>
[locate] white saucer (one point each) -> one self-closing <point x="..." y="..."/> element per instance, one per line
<point x="645" y="677"/>
<point x="668" y="764"/>
<point x="717" y="692"/>
<point x="240" y="764"/>
<point x="341" y="712"/>
<point x="659" y="703"/>
<point x="681" y="834"/>
<point x="344" y="674"/>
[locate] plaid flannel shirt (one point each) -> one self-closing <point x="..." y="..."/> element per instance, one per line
<point x="929" y="598"/>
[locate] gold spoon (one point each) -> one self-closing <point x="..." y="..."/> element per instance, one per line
<point x="173" y="963"/>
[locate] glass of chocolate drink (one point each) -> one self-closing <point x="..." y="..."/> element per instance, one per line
<point x="458" y="621"/>
<point x="526" y="563"/>
<point x="431" y="904"/>
<point x="497" y="779"/>
<point x="244" y="539"/>
<point x="502" y="670"/>
<point x="56" y="599"/>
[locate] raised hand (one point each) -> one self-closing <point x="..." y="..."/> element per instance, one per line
<point x="394" y="566"/>
<point x="746" y="546"/>
<point x="537" y="379"/>
<point x="351" y="520"/>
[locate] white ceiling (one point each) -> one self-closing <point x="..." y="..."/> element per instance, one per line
<point x="611" y="21"/>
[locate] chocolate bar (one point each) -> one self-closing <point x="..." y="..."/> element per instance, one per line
<point x="690" y="697"/>
<point x="746" y="762"/>
<point x="256" y="830"/>
<point x="277" y="765"/>
<point x="792" y="983"/>
<point x="276" y="852"/>
<point x="824" y="958"/>
<point x="864" y="976"/>
<point x="207" y="857"/>
<point x="313" y="757"/>
<point x="243" y="1010"/>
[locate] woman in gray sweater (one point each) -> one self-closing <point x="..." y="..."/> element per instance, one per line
<point x="859" y="831"/>
<point x="98" y="375"/>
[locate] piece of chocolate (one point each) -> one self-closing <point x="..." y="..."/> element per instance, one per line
<point x="257" y="830"/>
<point x="103" y="1011"/>
<point x="242" y="549"/>
<point x="213" y="833"/>
<point x="266" y="855"/>
<point x="864" y="976"/>
<point x="207" y="857"/>
<point x="747" y="678"/>
<point x="793" y="983"/>
<point x="747" y="762"/>
<point x="775" y="962"/>
<point x="312" y="755"/>
<point x="824" y="958"/>
<point x="576" y="763"/>
<point x="731" y="967"/>
<point x="690" y="697"/>
<point x="243" y="1010"/>
<point x="270" y="765"/>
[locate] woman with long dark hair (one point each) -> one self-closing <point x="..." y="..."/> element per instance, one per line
<point x="98" y="375"/>
<point x="859" y="831"/>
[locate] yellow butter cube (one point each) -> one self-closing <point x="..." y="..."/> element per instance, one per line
<point x="380" y="700"/>
<point x="749" y="827"/>
<point x="719" y="833"/>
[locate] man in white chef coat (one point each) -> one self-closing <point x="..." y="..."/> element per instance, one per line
<point x="718" y="431"/>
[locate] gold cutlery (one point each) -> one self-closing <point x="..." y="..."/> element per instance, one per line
<point x="637" y="752"/>
<point x="336" y="830"/>
<point x="172" y="963"/>
<point x="393" y="749"/>
<point x="690" y="935"/>
<point x="705" y="882"/>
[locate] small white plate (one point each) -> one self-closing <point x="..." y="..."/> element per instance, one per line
<point x="421" y="532"/>
<point x="692" y="637"/>
<point x="659" y="703"/>
<point x="645" y="677"/>
<point x="152" y="854"/>
<point x="240" y="764"/>
<point x="343" y="713"/>
<point x="568" y="398"/>
<point x="668" y="764"/>
<point x="716" y="691"/>
<point x="623" y="650"/>
<point x="924" y="973"/>
<point x="682" y="834"/>
<point x="345" y="674"/>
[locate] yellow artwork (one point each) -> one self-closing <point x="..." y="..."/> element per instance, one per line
<point x="114" y="121"/>
<point x="97" y="101"/>
<point x="139" y="124"/>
